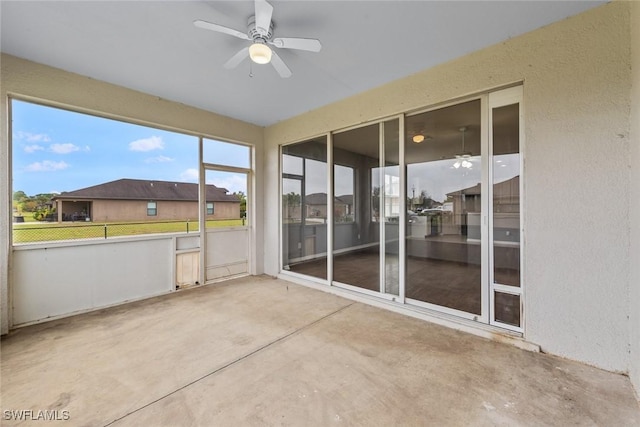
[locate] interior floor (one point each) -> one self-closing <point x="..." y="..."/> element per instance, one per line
<point x="446" y="283"/>
<point x="262" y="351"/>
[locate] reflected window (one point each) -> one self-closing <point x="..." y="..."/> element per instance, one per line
<point x="305" y="207"/>
<point x="343" y="204"/>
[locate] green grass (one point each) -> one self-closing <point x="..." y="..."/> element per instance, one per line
<point x="50" y="231"/>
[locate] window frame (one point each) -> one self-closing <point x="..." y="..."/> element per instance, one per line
<point x="154" y="208"/>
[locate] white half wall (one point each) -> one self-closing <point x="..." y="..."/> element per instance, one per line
<point x="634" y="277"/>
<point x="577" y="86"/>
<point x="53" y="281"/>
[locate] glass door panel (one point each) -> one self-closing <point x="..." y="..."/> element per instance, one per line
<point x="505" y="218"/>
<point x="444" y="194"/>
<point x="304" y="207"/>
<point x="506" y="195"/>
<point x="356" y="230"/>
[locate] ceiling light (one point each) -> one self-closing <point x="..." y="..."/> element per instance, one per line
<point x="418" y="138"/>
<point x="260" y="53"/>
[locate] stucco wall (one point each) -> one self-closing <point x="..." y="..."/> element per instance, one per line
<point x="634" y="281"/>
<point x="136" y="210"/>
<point x="62" y="88"/>
<point x="577" y="81"/>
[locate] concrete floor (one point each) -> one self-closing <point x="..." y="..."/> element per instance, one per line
<point x="260" y="351"/>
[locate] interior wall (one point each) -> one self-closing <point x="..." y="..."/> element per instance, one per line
<point x="634" y="282"/>
<point x="577" y="81"/>
<point x="61" y="88"/>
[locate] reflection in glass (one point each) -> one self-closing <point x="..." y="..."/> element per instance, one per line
<point x="304" y="208"/>
<point x="356" y="247"/>
<point x="506" y="195"/>
<point x="443" y="207"/>
<point x="507" y="308"/>
<point x="391" y="204"/>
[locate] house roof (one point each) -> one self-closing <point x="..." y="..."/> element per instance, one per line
<point x="140" y="189"/>
<point x="321" y="199"/>
<point x="475" y="190"/>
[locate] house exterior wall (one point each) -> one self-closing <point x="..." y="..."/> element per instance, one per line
<point x="577" y="84"/>
<point x="136" y="210"/>
<point x="634" y="277"/>
<point x="64" y="89"/>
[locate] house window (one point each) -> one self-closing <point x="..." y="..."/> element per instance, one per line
<point x="210" y="208"/>
<point x="152" y="208"/>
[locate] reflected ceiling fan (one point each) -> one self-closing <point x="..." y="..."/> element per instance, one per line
<point x="260" y="34"/>
<point x="465" y="158"/>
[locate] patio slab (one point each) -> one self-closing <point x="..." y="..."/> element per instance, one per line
<point x="261" y="351"/>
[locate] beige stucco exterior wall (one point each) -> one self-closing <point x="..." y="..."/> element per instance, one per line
<point x="61" y="88"/>
<point x="136" y="210"/>
<point x="577" y="83"/>
<point x="634" y="277"/>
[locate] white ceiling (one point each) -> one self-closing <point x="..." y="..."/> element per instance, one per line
<point x="153" y="47"/>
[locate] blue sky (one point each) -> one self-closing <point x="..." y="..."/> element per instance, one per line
<point x="56" y="150"/>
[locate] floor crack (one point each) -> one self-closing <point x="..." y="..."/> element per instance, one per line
<point x="233" y="362"/>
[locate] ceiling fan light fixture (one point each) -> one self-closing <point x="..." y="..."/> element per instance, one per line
<point x="260" y="53"/>
<point x="418" y="138"/>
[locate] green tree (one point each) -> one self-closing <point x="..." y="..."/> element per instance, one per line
<point x="243" y="203"/>
<point x="19" y="196"/>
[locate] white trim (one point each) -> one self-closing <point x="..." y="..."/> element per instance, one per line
<point x="402" y="230"/>
<point x="354" y="288"/>
<point x="330" y="202"/>
<point x="485" y="206"/>
<point x="294" y="275"/>
<point x="445" y="310"/>
<point x="382" y="194"/>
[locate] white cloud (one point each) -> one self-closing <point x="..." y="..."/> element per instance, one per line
<point x="233" y="183"/>
<point x="147" y="144"/>
<point x="64" y="148"/>
<point x="33" y="148"/>
<point x="32" y="137"/>
<point x="189" y="175"/>
<point x="158" y="159"/>
<point x="46" y="166"/>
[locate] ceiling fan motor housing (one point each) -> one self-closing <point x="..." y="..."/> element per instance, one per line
<point x="255" y="34"/>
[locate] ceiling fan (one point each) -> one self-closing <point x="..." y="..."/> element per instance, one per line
<point x="260" y="33"/>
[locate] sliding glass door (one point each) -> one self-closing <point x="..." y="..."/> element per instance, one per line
<point x="444" y="207"/>
<point x="356" y="230"/>
<point x="423" y="209"/>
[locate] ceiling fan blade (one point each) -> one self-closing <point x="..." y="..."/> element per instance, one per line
<point x="264" y="11"/>
<point x="237" y="58"/>
<point x="280" y="66"/>
<point x="220" y="29"/>
<point x="312" y="45"/>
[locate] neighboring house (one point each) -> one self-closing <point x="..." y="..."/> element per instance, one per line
<point x="315" y="206"/>
<point x="144" y="200"/>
